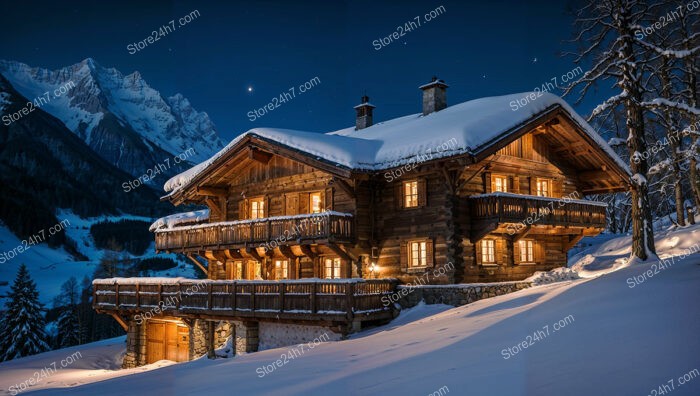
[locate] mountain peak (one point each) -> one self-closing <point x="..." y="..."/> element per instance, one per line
<point x="109" y="110"/>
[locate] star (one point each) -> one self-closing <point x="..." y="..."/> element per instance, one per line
<point x="534" y="60"/>
<point x="250" y="89"/>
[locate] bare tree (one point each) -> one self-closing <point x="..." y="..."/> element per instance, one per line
<point x="608" y="26"/>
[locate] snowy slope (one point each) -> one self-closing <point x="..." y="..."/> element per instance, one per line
<point x="98" y="95"/>
<point x="84" y="364"/>
<point x="621" y="341"/>
<point x="50" y="268"/>
<point x="467" y="127"/>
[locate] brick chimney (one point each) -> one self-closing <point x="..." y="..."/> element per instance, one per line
<point x="434" y="96"/>
<point x="364" y="114"/>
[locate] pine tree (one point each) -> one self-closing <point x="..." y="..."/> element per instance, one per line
<point x="22" y="333"/>
<point x="70" y="326"/>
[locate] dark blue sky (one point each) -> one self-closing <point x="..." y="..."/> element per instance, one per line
<point x="479" y="48"/>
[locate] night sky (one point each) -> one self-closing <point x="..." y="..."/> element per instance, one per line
<point x="480" y="49"/>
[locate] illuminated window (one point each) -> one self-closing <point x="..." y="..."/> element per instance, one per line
<point x="315" y="202"/>
<point x="331" y="268"/>
<point x="254" y="270"/>
<point x="257" y="208"/>
<point x="410" y="194"/>
<point x="527" y="252"/>
<point x="238" y="270"/>
<point x="418" y="254"/>
<point x="488" y="251"/>
<point x="499" y="183"/>
<point x="281" y="269"/>
<point x="544" y="188"/>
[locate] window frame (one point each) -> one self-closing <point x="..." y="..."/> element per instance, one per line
<point x="414" y="196"/>
<point x="320" y="202"/>
<point x="484" y="252"/>
<point x="255" y="212"/>
<point x="529" y="251"/>
<point x="333" y="268"/>
<point x="422" y="253"/>
<point x="503" y="178"/>
<point x="283" y="269"/>
<point x="538" y="189"/>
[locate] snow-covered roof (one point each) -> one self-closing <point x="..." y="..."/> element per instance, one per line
<point x="168" y="222"/>
<point x="465" y="128"/>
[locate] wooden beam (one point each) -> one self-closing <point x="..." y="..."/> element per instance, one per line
<point x="337" y="249"/>
<point x="198" y="264"/>
<point x="306" y="249"/>
<point x="480" y="232"/>
<point x="217" y="255"/>
<point x="232" y="254"/>
<point x="449" y="179"/>
<point x="212" y="191"/>
<point x="573" y="240"/>
<point x="253" y="252"/>
<point x="343" y="186"/>
<point x="523" y="234"/>
<point x="287" y="252"/>
<point x="213" y="206"/>
<point x="120" y="320"/>
<point x="258" y="155"/>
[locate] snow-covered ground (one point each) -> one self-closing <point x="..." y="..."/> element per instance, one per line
<point x="592" y="336"/>
<point x="50" y="268"/>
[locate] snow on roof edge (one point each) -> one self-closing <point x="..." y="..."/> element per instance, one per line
<point x="362" y="151"/>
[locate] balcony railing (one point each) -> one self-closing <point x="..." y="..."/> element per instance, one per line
<point x="332" y="226"/>
<point x="305" y="299"/>
<point x="532" y="210"/>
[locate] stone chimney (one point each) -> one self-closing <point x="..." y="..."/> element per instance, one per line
<point x="364" y="114"/>
<point x="434" y="96"/>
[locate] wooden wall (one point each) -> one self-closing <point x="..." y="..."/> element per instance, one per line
<point x="442" y="218"/>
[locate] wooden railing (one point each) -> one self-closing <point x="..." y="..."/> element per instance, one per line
<point x="313" y="299"/>
<point x="530" y="210"/>
<point x="336" y="226"/>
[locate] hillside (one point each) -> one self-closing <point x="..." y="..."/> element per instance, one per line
<point x="44" y="167"/>
<point x="610" y="345"/>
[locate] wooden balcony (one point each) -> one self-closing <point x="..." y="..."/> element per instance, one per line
<point x="339" y="300"/>
<point x="516" y="212"/>
<point x="311" y="228"/>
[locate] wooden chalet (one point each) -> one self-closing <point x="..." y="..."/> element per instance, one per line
<point x="476" y="192"/>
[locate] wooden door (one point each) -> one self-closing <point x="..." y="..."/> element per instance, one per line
<point x="183" y="346"/>
<point x="155" y="341"/>
<point x="171" y="342"/>
<point x="167" y="341"/>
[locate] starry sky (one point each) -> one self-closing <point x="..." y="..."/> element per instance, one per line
<point x="237" y="55"/>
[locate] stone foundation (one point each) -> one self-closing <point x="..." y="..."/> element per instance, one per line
<point x="135" y="345"/>
<point x="199" y="336"/>
<point x="246" y="337"/>
<point x="455" y="295"/>
<point x="276" y="335"/>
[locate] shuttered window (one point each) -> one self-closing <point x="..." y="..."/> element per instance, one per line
<point x="316" y="202"/>
<point x="488" y="251"/>
<point x="527" y="251"/>
<point x="544" y="187"/>
<point x="499" y="183"/>
<point x="281" y="269"/>
<point x="410" y="194"/>
<point x="257" y="208"/>
<point x="418" y="254"/>
<point x="331" y="269"/>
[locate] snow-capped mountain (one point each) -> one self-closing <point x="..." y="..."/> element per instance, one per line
<point x="121" y="117"/>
